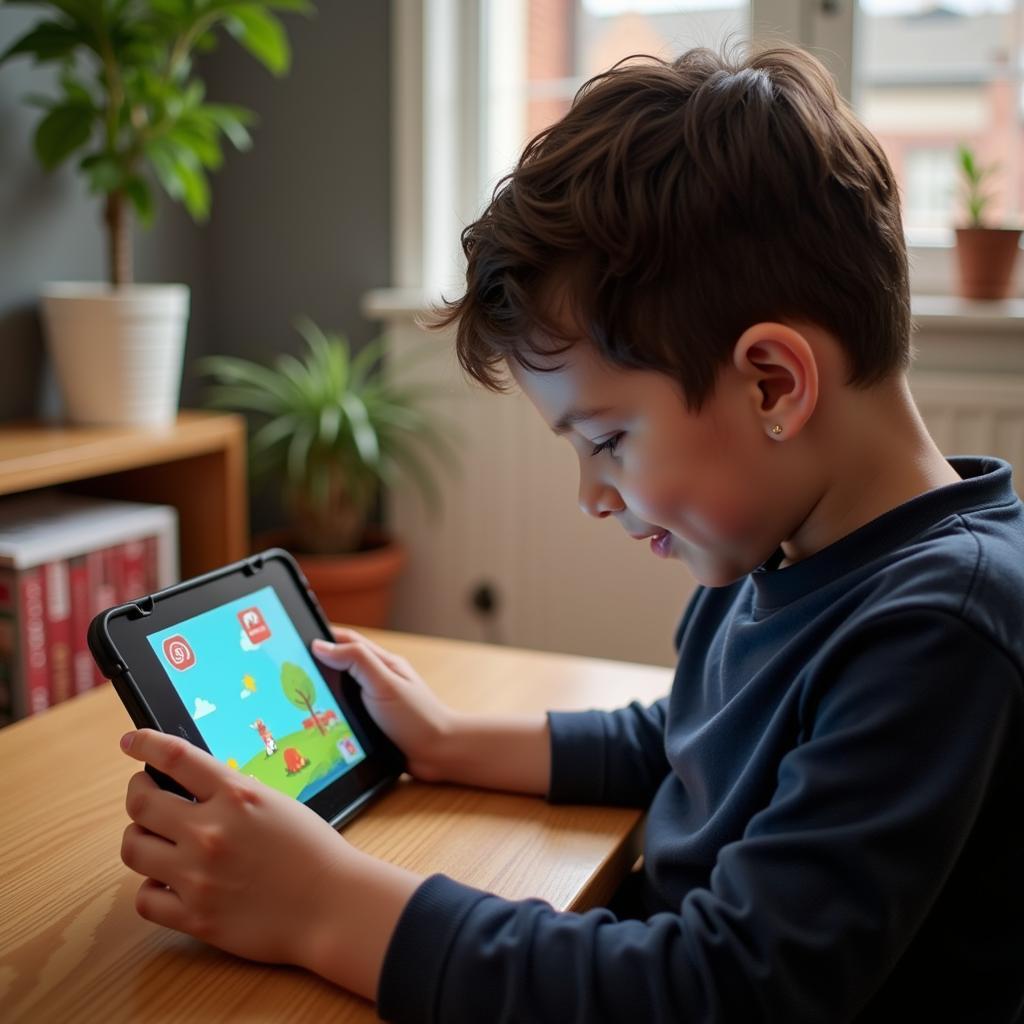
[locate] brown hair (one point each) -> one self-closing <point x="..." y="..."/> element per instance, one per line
<point x="679" y="203"/>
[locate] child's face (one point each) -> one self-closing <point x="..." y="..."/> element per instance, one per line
<point x="698" y="483"/>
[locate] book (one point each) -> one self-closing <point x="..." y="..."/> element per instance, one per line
<point x="63" y="559"/>
<point x="8" y="642"/>
<point x="44" y="526"/>
<point x="83" y="668"/>
<point x="133" y="570"/>
<point x="57" y="623"/>
<point x="152" y="565"/>
<point x="113" y="577"/>
<point x="31" y="636"/>
<point x="112" y="588"/>
<point x="101" y="595"/>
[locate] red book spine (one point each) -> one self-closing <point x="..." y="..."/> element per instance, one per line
<point x="152" y="564"/>
<point x="33" y="638"/>
<point x="133" y="559"/>
<point x="113" y="567"/>
<point x="82" y="666"/>
<point x="8" y="643"/>
<point x="101" y="595"/>
<point x="58" y="629"/>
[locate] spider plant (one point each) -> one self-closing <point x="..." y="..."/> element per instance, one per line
<point x="331" y="428"/>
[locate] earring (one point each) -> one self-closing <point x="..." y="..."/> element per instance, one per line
<point x="777" y="429"/>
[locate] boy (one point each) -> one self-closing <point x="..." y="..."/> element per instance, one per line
<point x="698" y="277"/>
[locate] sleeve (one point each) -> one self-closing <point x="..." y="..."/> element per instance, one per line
<point x="806" y="914"/>
<point x="608" y="757"/>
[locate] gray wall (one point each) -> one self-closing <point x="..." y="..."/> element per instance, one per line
<point x="300" y="224"/>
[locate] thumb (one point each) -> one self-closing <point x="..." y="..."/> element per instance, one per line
<point x="361" y="662"/>
<point x="197" y="770"/>
<point x="324" y="650"/>
<point x="336" y="655"/>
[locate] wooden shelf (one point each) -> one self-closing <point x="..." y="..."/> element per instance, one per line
<point x="197" y="465"/>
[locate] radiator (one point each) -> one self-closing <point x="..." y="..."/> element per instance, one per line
<point x="974" y="414"/>
<point x="561" y="580"/>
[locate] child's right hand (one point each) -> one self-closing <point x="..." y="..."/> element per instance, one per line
<point x="400" y="702"/>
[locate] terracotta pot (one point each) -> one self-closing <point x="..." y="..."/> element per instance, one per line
<point x="986" y="257"/>
<point x="355" y="589"/>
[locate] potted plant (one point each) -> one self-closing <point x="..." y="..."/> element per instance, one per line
<point x="985" y="254"/>
<point x="132" y="110"/>
<point x="329" y="430"/>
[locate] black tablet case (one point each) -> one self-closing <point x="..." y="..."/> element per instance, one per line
<point x="108" y="658"/>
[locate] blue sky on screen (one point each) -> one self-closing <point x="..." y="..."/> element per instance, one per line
<point x="233" y="682"/>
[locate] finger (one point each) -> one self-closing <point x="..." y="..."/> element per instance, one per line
<point x="346" y="634"/>
<point x="393" y="661"/>
<point x="362" y="663"/>
<point x="199" y="772"/>
<point x="148" y="854"/>
<point x="157" y="903"/>
<point x="155" y="809"/>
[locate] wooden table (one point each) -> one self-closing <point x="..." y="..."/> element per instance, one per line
<point x="72" y="947"/>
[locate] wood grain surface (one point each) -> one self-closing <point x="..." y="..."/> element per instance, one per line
<point x="72" y="947"/>
<point x="197" y="464"/>
<point x="36" y="454"/>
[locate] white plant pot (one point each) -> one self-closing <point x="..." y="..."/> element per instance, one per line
<point x="117" y="352"/>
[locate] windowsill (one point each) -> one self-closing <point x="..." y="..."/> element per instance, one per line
<point x="396" y="303"/>
<point x="942" y="313"/>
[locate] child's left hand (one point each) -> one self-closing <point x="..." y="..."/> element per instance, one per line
<point x="245" y="868"/>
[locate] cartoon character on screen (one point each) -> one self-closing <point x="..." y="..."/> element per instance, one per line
<point x="294" y="761"/>
<point x="268" y="740"/>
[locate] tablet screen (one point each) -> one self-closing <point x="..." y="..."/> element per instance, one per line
<point x="257" y="696"/>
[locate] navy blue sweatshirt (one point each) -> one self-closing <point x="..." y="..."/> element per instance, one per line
<point x="835" y="788"/>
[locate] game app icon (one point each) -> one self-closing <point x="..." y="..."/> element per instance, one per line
<point x="256" y="628"/>
<point x="179" y="653"/>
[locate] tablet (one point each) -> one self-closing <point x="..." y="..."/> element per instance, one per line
<point x="224" y="660"/>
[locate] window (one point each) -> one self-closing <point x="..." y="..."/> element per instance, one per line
<point x="930" y="75"/>
<point x="539" y="52"/>
<point x="929" y="187"/>
<point x="476" y="78"/>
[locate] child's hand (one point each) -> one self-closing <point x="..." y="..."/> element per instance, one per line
<point x="245" y="868"/>
<point x="400" y="702"/>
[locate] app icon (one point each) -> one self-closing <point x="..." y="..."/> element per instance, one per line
<point x="349" y="750"/>
<point x="254" y="625"/>
<point x="179" y="653"/>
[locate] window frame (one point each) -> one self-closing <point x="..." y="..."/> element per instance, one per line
<point x="438" y="148"/>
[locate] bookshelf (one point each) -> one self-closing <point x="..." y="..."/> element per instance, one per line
<point x="197" y="465"/>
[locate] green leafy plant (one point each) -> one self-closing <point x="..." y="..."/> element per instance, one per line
<point x="131" y="100"/>
<point x="975" y="175"/>
<point x="331" y="428"/>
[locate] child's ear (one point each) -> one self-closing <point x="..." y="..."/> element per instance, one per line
<point x="782" y="371"/>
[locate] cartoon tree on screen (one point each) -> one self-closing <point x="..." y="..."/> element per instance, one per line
<point x="300" y="689"/>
